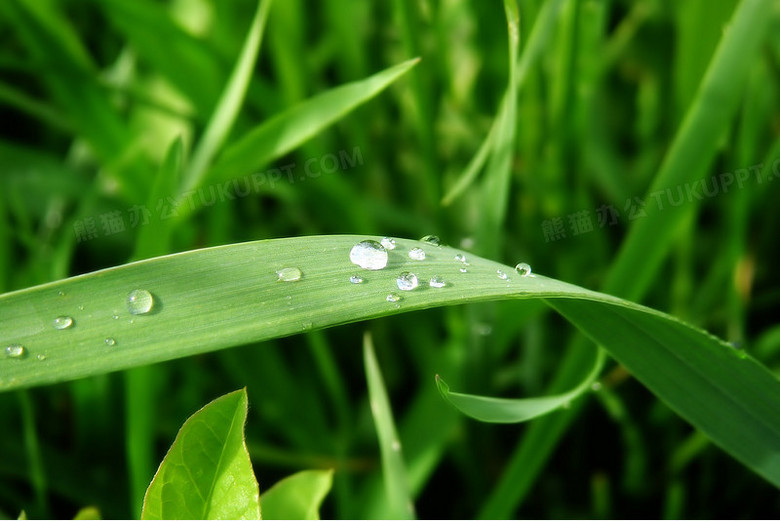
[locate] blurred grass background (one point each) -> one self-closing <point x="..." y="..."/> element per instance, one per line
<point x="92" y="94"/>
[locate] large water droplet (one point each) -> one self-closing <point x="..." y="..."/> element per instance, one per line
<point x="417" y="254"/>
<point x="15" y="351"/>
<point x="523" y="269"/>
<point x="62" y="322"/>
<point x="356" y="279"/>
<point x="393" y="297"/>
<point x="139" y="302"/>
<point x="433" y="240"/>
<point x="369" y="255"/>
<point x="437" y="282"/>
<point x="407" y="281"/>
<point x="388" y="243"/>
<point x="291" y="274"/>
<point x="110" y="341"/>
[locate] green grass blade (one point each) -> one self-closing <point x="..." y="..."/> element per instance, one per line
<point x="298" y="496"/>
<point x="220" y="297"/>
<point x="229" y="103"/>
<point x="207" y="473"/>
<point x="505" y="410"/>
<point x="284" y="132"/>
<point x="393" y="467"/>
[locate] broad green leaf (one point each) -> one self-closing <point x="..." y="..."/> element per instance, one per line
<point x="505" y="410"/>
<point x="219" y="297"/>
<point x="298" y="496"/>
<point x="393" y="468"/>
<point x="207" y="473"/>
<point x="285" y="131"/>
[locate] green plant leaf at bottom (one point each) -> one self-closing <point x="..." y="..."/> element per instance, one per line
<point x="298" y="496"/>
<point x="207" y="473"/>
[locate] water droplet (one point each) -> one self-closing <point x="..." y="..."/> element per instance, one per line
<point x="15" y="351"/>
<point x="437" y="282"/>
<point x="396" y="445"/>
<point x="62" y="322"/>
<point x="463" y="270"/>
<point x="417" y="254"/>
<point x="461" y="258"/>
<point x="369" y="255"/>
<point x="139" y="302"/>
<point x="595" y="386"/>
<point x="407" y="281"/>
<point x="523" y="269"/>
<point x="81" y="307"/>
<point x="433" y="240"/>
<point x="40" y="357"/>
<point x="388" y="243"/>
<point x="393" y="297"/>
<point x="290" y="274"/>
<point x="502" y="275"/>
<point x="483" y="328"/>
<point x="306" y="326"/>
<point x="115" y="316"/>
<point x="61" y="293"/>
<point x="356" y="279"/>
<point x="110" y="341"/>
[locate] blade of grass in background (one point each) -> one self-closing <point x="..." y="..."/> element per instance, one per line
<point x="230" y="102"/>
<point x="285" y="131"/>
<point x="649" y="240"/>
<point x="218" y="297"/>
<point x="399" y="499"/>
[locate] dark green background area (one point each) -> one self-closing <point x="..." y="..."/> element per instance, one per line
<point x="93" y="94"/>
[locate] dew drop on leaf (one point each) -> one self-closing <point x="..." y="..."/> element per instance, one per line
<point x="388" y="243"/>
<point x="15" y="351"/>
<point x="110" y="341"/>
<point x="433" y="240"/>
<point x="407" y="281"/>
<point x="63" y="322"/>
<point x="369" y="255"/>
<point x="290" y="274"/>
<point x="437" y="282"/>
<point x="523" y="269"/>
<point x="502" y="275"/>
<point x="139" y="302"/>
<point x="417" y="254"/>
<point x="356" y="279"/>
<point x="393" y="297"/>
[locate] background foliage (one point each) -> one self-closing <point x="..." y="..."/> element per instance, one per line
<point x="93" y="94"/>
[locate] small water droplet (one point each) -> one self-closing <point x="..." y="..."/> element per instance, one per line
<point x="15" y="351"/>
<point x="41" y="357"/>
<point x="388" y="243"/>
<point x="417" y="254"/>
<point x="62" y="322"/>
<point x="110" y="341"/>
<point x="407" y="281"/>
<point x="369" y="255"/>
<point x="306" y="326"/>
<point x="523" y="269"/>
<point x="461" y="258"/>
<point x="290" y="274"/>
<point x="115" y="316"/>
<point x="433" y="240"/>
<point x="356" y="279"/>
<point x="61" y="293"/>
<point x="437" y="282"/>
<point x="595" y="386"/>
<point x="139" y="302"/>
<point x="81" y="307"/>
<point x="463" y="270"/>
<point x="393" y="297"/>
<point x="502" y="275"/>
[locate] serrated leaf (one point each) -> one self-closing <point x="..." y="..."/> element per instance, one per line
<point x="207" y="473"/>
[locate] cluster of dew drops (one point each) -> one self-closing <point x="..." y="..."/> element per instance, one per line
<point x="138" y="301"/>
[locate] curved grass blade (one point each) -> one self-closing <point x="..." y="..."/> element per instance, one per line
<point x="285" y="131"/>
<point x="232" y="97"/>
<point x="393" y="468"/>
<point x="207" y="473"/>
<point x="219" y="297"/>
<point x="298" y="496"/>
<point x="505" y="410"/>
